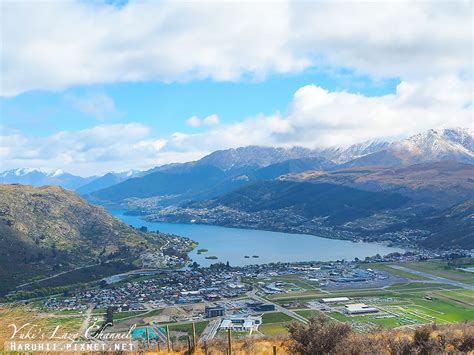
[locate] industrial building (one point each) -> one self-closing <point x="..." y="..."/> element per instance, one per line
<point x="212" y="312"/>
<point x="241" y="324"/>
<point x="359" y="308"/>
<point x="261" y="307"/>
<point x="335" y="300"/>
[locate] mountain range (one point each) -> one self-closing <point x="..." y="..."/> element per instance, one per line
<point x="226" y="170"/>
<point x="430" y="172"/>
<point x="429" y="146"/>
<point x="432" y="145"/>
<point x="41" y="177"/>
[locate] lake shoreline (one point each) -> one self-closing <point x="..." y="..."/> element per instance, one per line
<point x="287" y="230"/>
<point x="233" y="244"/>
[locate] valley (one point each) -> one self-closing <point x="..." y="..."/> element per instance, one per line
<point x="268" y="237"/>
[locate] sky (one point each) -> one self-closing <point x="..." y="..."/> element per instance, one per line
<point x="96" y="86"/>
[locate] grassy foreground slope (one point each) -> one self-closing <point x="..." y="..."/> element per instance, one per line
<point x="48" y="230"/>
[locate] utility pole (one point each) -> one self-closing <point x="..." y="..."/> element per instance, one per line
<point x="229" y="337"/>
<point x="194" y="338"/>
<point x="168" y="343"/>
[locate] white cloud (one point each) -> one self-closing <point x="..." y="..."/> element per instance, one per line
<point x="319" y="118"/>
<point x="90" y="151"/>
<point x="56" y="44"/>
<point x="210" y="120"/>
<point x="193" y="121"/>
<point x="316" y="118"/>
<point x="97" y="105"/>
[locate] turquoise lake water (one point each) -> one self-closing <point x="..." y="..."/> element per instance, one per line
<point x="233" y="244"/>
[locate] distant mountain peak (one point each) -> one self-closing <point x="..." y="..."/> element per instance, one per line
<point x="43" y="176"/>
<point x="252" y="155"/>
<point x="432" y="145"/>
<point x="429" y="146"/>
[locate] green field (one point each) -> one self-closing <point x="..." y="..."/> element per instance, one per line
<point x="307" y="313"/>
<point x="419" y="286"/>
<point x="275" y="323"/>
<point x="187" y="327"/>
<point x="441" y="268"/>
<point x="462" y="296"/>
<point x="296" y="281"/>
<point x="276" y="317"/>
<point x="407" y="309"/>
<point x="401" y="305"/>
<point x="273" y="329"/>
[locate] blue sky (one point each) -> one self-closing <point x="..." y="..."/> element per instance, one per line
<point x="167" y="106"/>
<point x="94" y="86"/>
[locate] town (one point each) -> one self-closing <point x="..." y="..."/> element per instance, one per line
<point x="258" y="299"/>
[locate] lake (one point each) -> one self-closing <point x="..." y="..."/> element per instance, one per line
<point x="233" y="244"/>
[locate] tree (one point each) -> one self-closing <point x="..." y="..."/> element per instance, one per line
<point x="321" y="336"/>
<point x="109" y="316"/>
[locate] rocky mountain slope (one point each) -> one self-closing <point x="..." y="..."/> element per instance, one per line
<point x="47" y="230"/>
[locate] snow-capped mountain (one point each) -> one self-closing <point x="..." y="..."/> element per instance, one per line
<point x="256" y="156"/>
<point x="340" y="155"/>
<point x="433" y="145"/>
<point x="40" y="177"/>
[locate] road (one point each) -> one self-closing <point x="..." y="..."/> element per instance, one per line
<point x="56" y="275"/>
<point x="161" y="336"/>
<point x="86" y="321"/>
<point x="434" y="277"/>
<point x="253" y="295"/>
<point x="211" y="330"/>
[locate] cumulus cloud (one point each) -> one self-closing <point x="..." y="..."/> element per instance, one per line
<point x="316" y="118"/>
<point x="320" y="118"/>
<point x="97" y="105"/>
<point x="210" y="120"/>
<point x="193" y="121"/>
<point x="90" y="151"/>
<point x="56" y="44"/>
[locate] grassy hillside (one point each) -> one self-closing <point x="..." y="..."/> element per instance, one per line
<point x="47" y="230"/>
